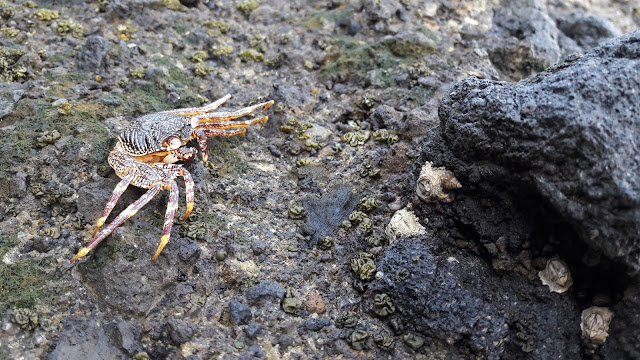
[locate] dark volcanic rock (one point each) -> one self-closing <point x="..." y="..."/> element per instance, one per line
<point x="570" y="133"/>
<point x="460" y="301"/>
<point x="92" y="56"/>
<point x="240" y="313"/>
<point x="265" y="289"/>
<point x="87" y="338"/>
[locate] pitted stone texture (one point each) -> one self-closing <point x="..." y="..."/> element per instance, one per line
<point x="571" y="133"/>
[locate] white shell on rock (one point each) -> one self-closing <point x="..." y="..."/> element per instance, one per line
<point x="595" y="324"/>
<point x="404" y="223"/>
<point x="556" y="276"/>
<point x="433" y="181"/>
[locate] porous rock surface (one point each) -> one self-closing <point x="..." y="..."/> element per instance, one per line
<point x="571" y="132"/>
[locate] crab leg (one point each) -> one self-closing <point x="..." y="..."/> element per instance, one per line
<point x="226" y="124"/>
<point x="124" y="215"/>
<point x="194" y="111"/>
<point x="172" y="205"/>
<point x="115" y="196"/>
<point x="228" y="115"/>
<point x="188" y="182"/>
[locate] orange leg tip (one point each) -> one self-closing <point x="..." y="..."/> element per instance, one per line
<point x="81" y="253"/>
<point x="163" y="241"/>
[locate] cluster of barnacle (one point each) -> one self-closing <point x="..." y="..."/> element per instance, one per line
<point x="8" y="59"/>
<point x="10" y="32"/>
<point x="47" y="15"/>
<point x="247" y="6"/>
<point x="296" y="127"/>
<point x="47" y="137"/>
<point x="6" y="11"/>
<point x="125" y="32"/>
<point x="595" y="320"/>
<point x="216" y="28"/>
<point x="25" y="318"/>
<point x="364" y="266"/>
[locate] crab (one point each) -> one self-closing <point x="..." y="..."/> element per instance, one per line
<point x="147" y="153"/>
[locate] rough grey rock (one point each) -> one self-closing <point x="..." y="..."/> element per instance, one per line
<point x="325" y="214"/>
<point x="533" y="43"/>
<point x="265" y="289"/>
<point x="92" y="56"/>
<point x="459" y="300"/>
<point x="253" y="329"/>
<point x="312" y="324"/>
<point x="240" y="313"/>
<point x="586" y="31"/>
<point x="571" y="133"/>
<point x="10" y="94"/>
<point x="85" y="339"/>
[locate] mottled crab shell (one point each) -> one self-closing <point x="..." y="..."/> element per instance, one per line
<point x="147" y="133"/>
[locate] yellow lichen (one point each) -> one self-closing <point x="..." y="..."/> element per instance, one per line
<point x="216" y="27"/>
<point x="10" y="32"/>
<point x="199" y="56"/>
<point x="247" y="6"/>
<point x="174" y="5"/>
<point x="137" y="73"/>
<point x="47" y="15"/>
<point x="125" y="32"/>
<point x="68" y="26"/>
<point x="250" y="55"/>
<point x="222" y="50"/>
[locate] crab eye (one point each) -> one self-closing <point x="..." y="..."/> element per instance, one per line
<point x="173" y="142"/>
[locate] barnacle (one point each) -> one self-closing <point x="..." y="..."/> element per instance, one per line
<point x="404" y="223"/>
<point x="222" y="50"/>
<point x="199" y="56"/>
<point x="125" y="32"/>
<point x="8" y="59"/>
<point x="64" y="108"/>
<point x="358" y="335"/>
<point x="291" y="125"/>
<point x="385" y="135"/>
<point x="65" y="27"/>
<point x="47" y="15"/>
<point x="556" y="276"/>
<point x="414" y="341"/>
<point x="247" y="6"/>
<point x="174" y="5"/>
<point x="292" y="304"/>
<point x="365" y="224"/>
<point x="367" y="204"/>
<point x="137" y="73"/>
<point x="30" y="4"/>
<point x="382" y="305"/>
<point x="325" y="243"/>
<point x="347" y="320"/>
<point x="26" y="318"/>
<point x="595" y="324"/>
<point x="357" y="217"/>
<point x="10" y="32"/>
<point x="216" y="27"/>
<point x="297" y="212"/>
<point x="383" y="339"/>
<point x="53" y="232"/>
<point x="368" y="101"/>
<point x="250" y="55"/>
<point x="47" y="137"/>
<point x="355" y="138"/>
<point x="363" y="266"/>
<point x="6" y="11"/>
<point x="432" y="181"/>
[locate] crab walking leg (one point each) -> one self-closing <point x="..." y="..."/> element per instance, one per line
<point x="188" y="182"/>
<point x="225" y="132"/>
<point x="226" y="124"/>
<point x="172" y="205"/>
<point x="124" y="215"/>
<point x="194" y="111"/>
<point x="228" y="115"/>
<point x="115" y="196"/>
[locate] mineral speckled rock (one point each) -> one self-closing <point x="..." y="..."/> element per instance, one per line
<point x="571" y="133"/>
<point x="479" y="319"/>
